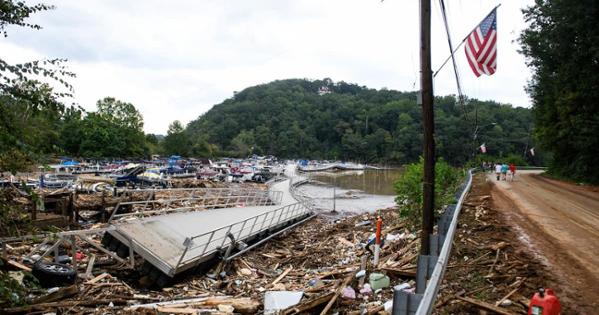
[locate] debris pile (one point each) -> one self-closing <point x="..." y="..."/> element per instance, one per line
<point x="488" y="270"/>
<point x="320" y="266"/>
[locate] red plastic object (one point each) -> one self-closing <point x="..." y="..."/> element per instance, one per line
<point x="379" y="225"/>
<point x="80" y="256"/>
<point x="544" y="302"/>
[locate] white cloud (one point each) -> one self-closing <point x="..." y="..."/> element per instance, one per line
<point x="174" y="60"/>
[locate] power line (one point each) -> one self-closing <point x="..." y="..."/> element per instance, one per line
<point x="455" y="67"/>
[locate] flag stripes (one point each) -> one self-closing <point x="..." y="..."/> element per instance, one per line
<point x="481" y="46"/>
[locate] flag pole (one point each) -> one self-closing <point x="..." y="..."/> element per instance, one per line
<point x="458" y="47"/>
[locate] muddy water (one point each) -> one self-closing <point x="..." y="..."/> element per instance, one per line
<point x="369" y="181"/>
<point x="353" y="191"/>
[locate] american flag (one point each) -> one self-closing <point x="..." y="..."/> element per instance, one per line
<point x="481" y="46"/>
<point x="483" y="148"/>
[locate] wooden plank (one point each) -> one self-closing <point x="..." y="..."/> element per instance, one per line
<point x="410" y="273"/>
<point x="98" y="278"/>
<point x="174" y="310"/>
<point x="486" y="306"/>
<point x="62" y="293"/>
<point x="308" y="305"/>
<point x="18" y="265"/>
<point x="510" y="293"/>
<point x="279" y="278"/>
<point x="90" y="266"/>
<point x="339" y="290"/>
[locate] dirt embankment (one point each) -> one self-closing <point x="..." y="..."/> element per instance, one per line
<point x="515" y="237"/>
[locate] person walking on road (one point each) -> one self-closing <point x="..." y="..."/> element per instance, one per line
<point x="498" y="170"/>
<point x="504" y="169"/>
<point x="512" y="171"/>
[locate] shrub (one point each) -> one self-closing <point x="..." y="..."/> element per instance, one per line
<point x="515" y="159"/>
<point x="409" y="189"/>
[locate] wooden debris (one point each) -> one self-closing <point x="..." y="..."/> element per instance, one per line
<point x="345" y="242"/>
<point x="409" y="273"/>
<point x="62" y="293"/>
<point x="338" y="292"/>
<point x="317" y="268"/>
<point x="98" y="278"/>
<point x="485" y="305"/>
<point x="18" y="265"/>
<point x="509" y="294"/>
<point x="308" y="304"/>
<point x="279" y="278"/>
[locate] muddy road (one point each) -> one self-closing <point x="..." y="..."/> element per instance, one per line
<point x="559" y="223"/>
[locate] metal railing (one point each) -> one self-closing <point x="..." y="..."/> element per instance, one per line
<point x="294" y="183"/>
<point x="216" y="198"/>
<point x="179" y="192"/>
<point x="211" y="242"/>
<point x="431" y="268"/>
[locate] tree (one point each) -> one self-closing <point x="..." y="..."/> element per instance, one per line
<point x="24" y="101"/>
<point x="120" y="113"/>
<point x="176" y="140"/>
<point x="114" y="130"/>
<point x="291" y="119"/>
<point x="16" y="13"/>
<point x="29" y="125"/>
<point x="561" y="45"/>
<point x="244" y="143"/>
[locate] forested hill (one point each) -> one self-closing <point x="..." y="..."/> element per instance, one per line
<point x="322" y="119"/>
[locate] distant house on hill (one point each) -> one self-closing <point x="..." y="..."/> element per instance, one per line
<point x="323" y="90"/>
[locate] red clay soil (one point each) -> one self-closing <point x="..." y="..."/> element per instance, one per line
<point x="542" y="228"/>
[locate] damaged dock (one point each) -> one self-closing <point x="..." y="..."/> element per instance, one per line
<point x="175" y="242"/>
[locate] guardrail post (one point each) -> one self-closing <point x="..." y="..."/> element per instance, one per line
<point x="434" y="244"/>
<point x="426" y="265"/>
<point x="405" y="303"/>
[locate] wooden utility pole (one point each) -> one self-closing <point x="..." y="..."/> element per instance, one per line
<point x="428" y="122"/>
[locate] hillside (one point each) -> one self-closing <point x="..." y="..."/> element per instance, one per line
<point x="323" y="119"/>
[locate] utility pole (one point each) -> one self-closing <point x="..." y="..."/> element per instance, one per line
<point x="428" y="122"/>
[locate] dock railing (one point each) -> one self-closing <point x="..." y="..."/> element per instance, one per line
<point x="215" y="240"/>
<point x="209" y="199"/>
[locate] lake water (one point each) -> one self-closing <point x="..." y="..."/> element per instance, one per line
<point x="354" y="191"/>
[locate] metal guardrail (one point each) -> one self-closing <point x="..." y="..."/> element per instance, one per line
<point x="231" y="197"/>
<point x="213" y="241"/>
<point x="431" y="268"/>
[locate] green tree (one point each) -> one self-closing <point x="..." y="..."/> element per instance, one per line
<point x="123" y="114"/>
<point x="291" y="119"/>
<point x="16" y="13"/>
<point x="562" y="47"/>
<point x="29" y="125"/>
<point x="176" y="141"/>
<point x="153" y="144"/>
<point x="244" y="143"/>
<point x="25" y="102"/>
<point x="114" y="130"/>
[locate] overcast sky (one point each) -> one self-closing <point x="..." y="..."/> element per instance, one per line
<point x="176" y="59"/>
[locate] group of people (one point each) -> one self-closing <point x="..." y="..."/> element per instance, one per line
<point x="503" y="171"/>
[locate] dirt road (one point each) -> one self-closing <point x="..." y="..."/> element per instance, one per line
<point x="559" y="222"/>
